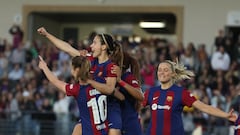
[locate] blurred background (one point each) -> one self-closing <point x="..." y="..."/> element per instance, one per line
<point x="195" y="32"/>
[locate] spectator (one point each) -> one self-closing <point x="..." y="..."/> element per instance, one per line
<point x="220" y="59"/>
<point x="18" y="55"/>
<point x="16" y="73"/>
<point x="219" y="39"/>
<point x="17" y="34"/>
<point x="46" y="106"/>
<point x="12" y="106"/>
<point x="3" y="65"/>
<point x="148" y="75"/>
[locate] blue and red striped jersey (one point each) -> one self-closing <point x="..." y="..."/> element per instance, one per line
<point x="100" y="71"/>
<point x="92" y="108"/>
<point x="130" y="116"/>
<point x="166" y="109"/>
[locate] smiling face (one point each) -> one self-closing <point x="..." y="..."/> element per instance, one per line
<point x="97" y="47"/>
<point x="165" y="73"/>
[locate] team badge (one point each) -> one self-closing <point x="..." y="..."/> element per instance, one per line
<point x="169" y="98"/>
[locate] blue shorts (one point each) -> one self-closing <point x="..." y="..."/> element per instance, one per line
<point x="114" y="115"/>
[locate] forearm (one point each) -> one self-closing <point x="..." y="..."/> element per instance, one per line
<point x="210" y="110"/>
<point x="101" y="87"/>
<point x="116" y="93"/>
<point x="217" y="112"/>
<point x="62" y="45"/>
<point x="54" y="80"/>
<point x="135" y="92"/>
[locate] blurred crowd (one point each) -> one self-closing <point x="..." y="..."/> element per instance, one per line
<point x="24" y="88"/>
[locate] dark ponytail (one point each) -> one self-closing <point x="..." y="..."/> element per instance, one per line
<point x="131" y="63"/>
<point x="114" y="49"/>
<point x="117" y="54"/>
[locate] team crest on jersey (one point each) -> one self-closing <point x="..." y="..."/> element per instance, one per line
<point x="169" y="98"/>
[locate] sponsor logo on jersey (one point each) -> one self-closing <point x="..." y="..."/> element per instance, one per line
<point x="160" y="107"/>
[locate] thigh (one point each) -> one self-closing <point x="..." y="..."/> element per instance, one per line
<point x="77" y="129"/>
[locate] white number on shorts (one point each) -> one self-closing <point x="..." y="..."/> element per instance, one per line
<point x="99" y="108"/>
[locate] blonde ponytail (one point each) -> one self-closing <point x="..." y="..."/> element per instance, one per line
<point x="180" y="70"/>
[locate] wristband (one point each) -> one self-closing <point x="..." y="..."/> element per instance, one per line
<point x="122" y="83"/>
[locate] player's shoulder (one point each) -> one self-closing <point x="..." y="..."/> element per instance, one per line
<point x="154" y="88"/>
<point x="177" y="87"/>
<point x="127" y="75"/>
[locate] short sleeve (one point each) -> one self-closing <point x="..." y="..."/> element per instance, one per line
<point x="72" y="89"/>
<point x="109" y="70"/>
<point x="132" y="81"/>
<point x="90" y="58"/>
<point x="188" y="98"/>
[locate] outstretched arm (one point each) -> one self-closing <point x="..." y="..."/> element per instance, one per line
<point x="215" y="111"/>
<point x="62" y="45"/>
<point x="50" y="76"/>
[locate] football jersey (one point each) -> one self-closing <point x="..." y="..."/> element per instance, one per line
<point x="92" y="108"/>
<point x="130" y="116"/>
<point x="100" y="71"/>
<point x="166" y="109"/>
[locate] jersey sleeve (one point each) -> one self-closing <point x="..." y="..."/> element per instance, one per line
<point x="145" y="101"/>
<point x="90" y="57"/>
<point x="131" y="80"/>
<point x="72" y="89"/>
<point x="110" y="73"/>
<point x="188" y="98"/>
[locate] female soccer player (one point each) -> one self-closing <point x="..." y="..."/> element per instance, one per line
<point x="104" y="45"/>
<point x="167" y="101"/>
<point x="104" y="51"/>
<point x="91" y="103"/>
<point x="128" y="80"/>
